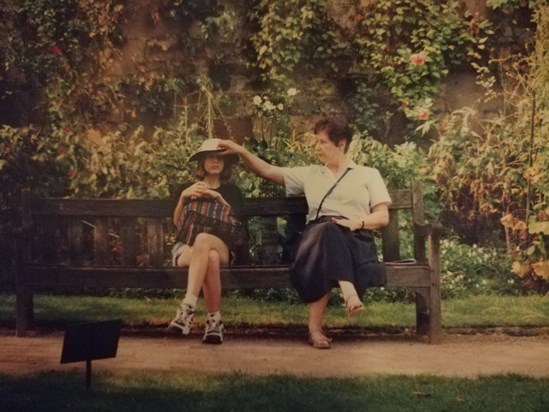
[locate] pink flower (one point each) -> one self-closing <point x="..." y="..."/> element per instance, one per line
<point x="55" y="49"/>
<point x="423" y="114"/>
<point x="417" y="59"/>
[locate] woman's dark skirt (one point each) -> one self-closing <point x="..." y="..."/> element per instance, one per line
<point x="327" y="253"/>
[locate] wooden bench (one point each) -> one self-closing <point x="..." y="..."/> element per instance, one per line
<point x="70" y="244"/>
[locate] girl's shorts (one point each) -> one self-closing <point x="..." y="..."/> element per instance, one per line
<point x="177" y="249"/>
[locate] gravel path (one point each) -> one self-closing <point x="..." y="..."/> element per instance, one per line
<point x="458" y="355"/>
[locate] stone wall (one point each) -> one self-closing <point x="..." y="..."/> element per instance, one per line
<point x="152" y="48"/>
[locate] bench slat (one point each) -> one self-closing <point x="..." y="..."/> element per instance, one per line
<point x="279" y="206"/>
<point x="238" y="277"/>
<point x="155" y="242"/>
<point x="101" y="241"/>
<point x="128" y="241"/>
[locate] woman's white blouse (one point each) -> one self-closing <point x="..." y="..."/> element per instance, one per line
<point x="355" y="195"/>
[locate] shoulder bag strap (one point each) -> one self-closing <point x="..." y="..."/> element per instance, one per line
<point x="330" y="191"/>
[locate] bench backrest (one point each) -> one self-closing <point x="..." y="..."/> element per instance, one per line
<point x="139" y="232"/>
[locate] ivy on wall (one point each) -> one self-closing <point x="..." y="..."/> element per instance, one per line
<point x="58" y="50"/>
<point x="391" y="57"/>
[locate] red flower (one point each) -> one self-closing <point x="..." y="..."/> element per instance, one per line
<point x="423" y="114"/>
<point x="417" y="59"/>
<point x="67" y="129"/>
<point x="55" y="49"/>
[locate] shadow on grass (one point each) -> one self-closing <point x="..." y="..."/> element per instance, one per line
<point x="167" y="391"/>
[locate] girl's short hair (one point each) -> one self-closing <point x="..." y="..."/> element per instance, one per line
<point x="336" y="130"/>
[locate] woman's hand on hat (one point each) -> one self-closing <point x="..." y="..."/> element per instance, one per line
<point x="230" y="147"/>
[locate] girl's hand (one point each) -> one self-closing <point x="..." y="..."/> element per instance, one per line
<point x="194" y="191"/>
<point x="200" y="189"/>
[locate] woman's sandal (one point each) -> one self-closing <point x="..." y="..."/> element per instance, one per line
<point x="319" y="340"/>
<point x="353" y="305"/>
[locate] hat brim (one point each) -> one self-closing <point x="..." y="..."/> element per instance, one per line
<point x="229" y="157"/>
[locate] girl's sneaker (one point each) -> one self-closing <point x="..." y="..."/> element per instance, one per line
<point x="183" y="319"/>
<point x="214" y="332"/>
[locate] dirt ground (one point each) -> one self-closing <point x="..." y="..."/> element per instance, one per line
<point x="458" y="355"/>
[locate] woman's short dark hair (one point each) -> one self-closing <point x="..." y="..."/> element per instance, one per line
<point x="225" y="173"/>
<point x="336" y="130"/>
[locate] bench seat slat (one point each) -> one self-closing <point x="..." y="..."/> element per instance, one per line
<point x="247" y="277"/>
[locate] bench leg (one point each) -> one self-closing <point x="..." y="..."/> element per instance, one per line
<point x="422" y="310"/>
<point x="24" y="311"/>
<point x="428" y="320"/>
<point x="435" y="320"/>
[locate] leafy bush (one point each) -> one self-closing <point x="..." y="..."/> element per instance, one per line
<point x="470" y="270"/>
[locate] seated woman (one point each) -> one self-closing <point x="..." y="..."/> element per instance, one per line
<point x="345" y="202"/>
<point x="207" y="253"/>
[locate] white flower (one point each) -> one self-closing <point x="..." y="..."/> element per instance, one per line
<point x="292" y="91"/>
<point x="280" y="106"/>
<point x="257" y="100"/>
<point x="268" y="105"/>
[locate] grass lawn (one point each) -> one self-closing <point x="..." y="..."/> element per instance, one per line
<point x="479" y="311"/>
<point x="167" y="391"/>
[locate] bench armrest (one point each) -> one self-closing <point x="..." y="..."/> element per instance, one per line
<point x="424" y="232"/>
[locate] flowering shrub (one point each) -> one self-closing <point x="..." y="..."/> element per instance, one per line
<point x="272" y="112"/>
<point x="468" y="270"/>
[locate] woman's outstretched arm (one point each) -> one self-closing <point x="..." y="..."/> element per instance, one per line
<point x="254" y="163"/>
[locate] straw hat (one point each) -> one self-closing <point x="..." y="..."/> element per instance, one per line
<point x="211" y="146"/>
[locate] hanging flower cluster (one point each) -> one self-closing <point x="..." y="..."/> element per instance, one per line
<point x="270" y="107"/>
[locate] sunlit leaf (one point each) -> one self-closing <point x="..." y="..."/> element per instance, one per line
<point x="541" y="269"/>
<point x="508" y="220"/>
<point x="519" y="225"/>
<point x="520" y="269"/>
<point x="539" y="227"/>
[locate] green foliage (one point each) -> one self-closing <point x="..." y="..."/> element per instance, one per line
<point x="61" y="44"/>
<point x="498" y="166"/>
<point x="473" y="270"/>
<point x="514" y="4"/>
<point x="392" y="54"/>
<point x="272" y="112"/>
<point x="405" y="48"/>
<point x="291" y="33"/>
<point x="154" y="98"/>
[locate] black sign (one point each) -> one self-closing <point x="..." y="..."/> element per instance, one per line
<point x="89" y="341"/>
